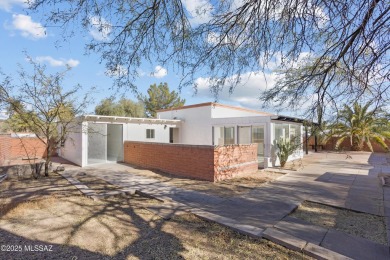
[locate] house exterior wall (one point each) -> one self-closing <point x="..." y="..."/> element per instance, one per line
<point x="195" y="128"/>
<point x="219" y="111"/>
<point x="137" y="132"/>
<point x="204" y="162"/>
<point x="196" y="124"/>
<point x="75" y="147"/>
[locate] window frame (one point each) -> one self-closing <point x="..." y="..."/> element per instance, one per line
<point x="150" y="133"/>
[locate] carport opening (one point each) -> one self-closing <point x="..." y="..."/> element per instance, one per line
<point x="105" y="143"/>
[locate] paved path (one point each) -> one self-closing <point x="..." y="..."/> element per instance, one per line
<point x="334" y="179"/>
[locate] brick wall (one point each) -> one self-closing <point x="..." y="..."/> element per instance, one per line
<point x="15" y="149"/>
<point x="346" y="145"/>
<point x="232" y="160"/>
<point x="193" y="161"/>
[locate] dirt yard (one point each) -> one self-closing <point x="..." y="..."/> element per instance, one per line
<point x="358" y="224"/>
<point x="50" y="216"/>
<point x="227" y="188"/>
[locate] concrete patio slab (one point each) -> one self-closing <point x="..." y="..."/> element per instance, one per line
<point x="284" y="239"/>
<point x="302" y="229"/>
<point x="322" y="253"/>
<point x="354" y="186"/>
<point x="354" y="247"/>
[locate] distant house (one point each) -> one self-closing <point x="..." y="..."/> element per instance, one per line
<point x="100" y="139"/>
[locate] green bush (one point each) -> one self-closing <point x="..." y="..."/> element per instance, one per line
<point x="286" y="148"/>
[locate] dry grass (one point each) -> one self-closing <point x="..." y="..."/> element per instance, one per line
<point x="358" y="224"/>
<point x="13" y="191"/>
<point x="49" y="212"/>
<point x="122" y="229"/>
<point x="227" y="188"/>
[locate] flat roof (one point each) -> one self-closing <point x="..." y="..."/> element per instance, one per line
<point x="216" y="105"/>
<point x="134" y="120"/>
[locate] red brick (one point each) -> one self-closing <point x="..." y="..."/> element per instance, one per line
<point x="193" y="161"/>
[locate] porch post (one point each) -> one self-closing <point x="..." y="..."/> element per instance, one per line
<point x="306" y="142"/>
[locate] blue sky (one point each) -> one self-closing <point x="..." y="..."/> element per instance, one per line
<point x="21" y="32"/>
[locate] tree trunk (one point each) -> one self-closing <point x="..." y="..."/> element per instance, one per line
<point x="356" y="144"/>
<point x="48" y="159"/>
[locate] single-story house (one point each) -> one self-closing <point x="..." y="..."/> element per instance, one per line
<point x="100" y="139"/>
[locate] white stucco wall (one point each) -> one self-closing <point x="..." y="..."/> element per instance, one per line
<point x="195" y="127"/>
<point x="137" y="132"/>
<point x="225" y="112"/>
<point x="197" y="122"/>
<point x="75" y="145"/>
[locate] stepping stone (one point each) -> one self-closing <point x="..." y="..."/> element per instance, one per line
<point x="302" y="229"/>
<point x="354" y="247"/>
<point x="366" y="207"/>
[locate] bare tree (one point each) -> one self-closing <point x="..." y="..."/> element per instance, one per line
<point x="347" y="42"/>
<point x="43" y="106"/>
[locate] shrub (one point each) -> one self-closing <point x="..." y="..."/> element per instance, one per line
<point x="286" y="148"/>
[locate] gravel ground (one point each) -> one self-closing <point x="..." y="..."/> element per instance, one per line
<point x="358" y="224"/>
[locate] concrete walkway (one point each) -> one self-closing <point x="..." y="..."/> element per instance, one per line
<point x="334" y="179"/>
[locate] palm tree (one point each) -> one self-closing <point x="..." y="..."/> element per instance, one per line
<point x="361" y="126"/>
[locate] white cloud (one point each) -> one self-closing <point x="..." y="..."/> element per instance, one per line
<point x="159" y="72"/>
<point x="7" y="5"/>
<point x="58" y="62"/>
<point x="118" y="71"/>
<point x="100" y="28"/>
<point x="27" y="27"/>
<point x="199" y="11"/>
<point x="3" y="114"/>
<point x="72" y="63"/>
<point x="246" y="93"/>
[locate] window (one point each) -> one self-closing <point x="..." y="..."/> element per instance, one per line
<point x="229" y="135"/>
<point x="295" y="134"/>
<point x="149" y="133"/>
<point x="244" y="134"/>
<point x="223" y="135"/>
<point x="282" y="132"/>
